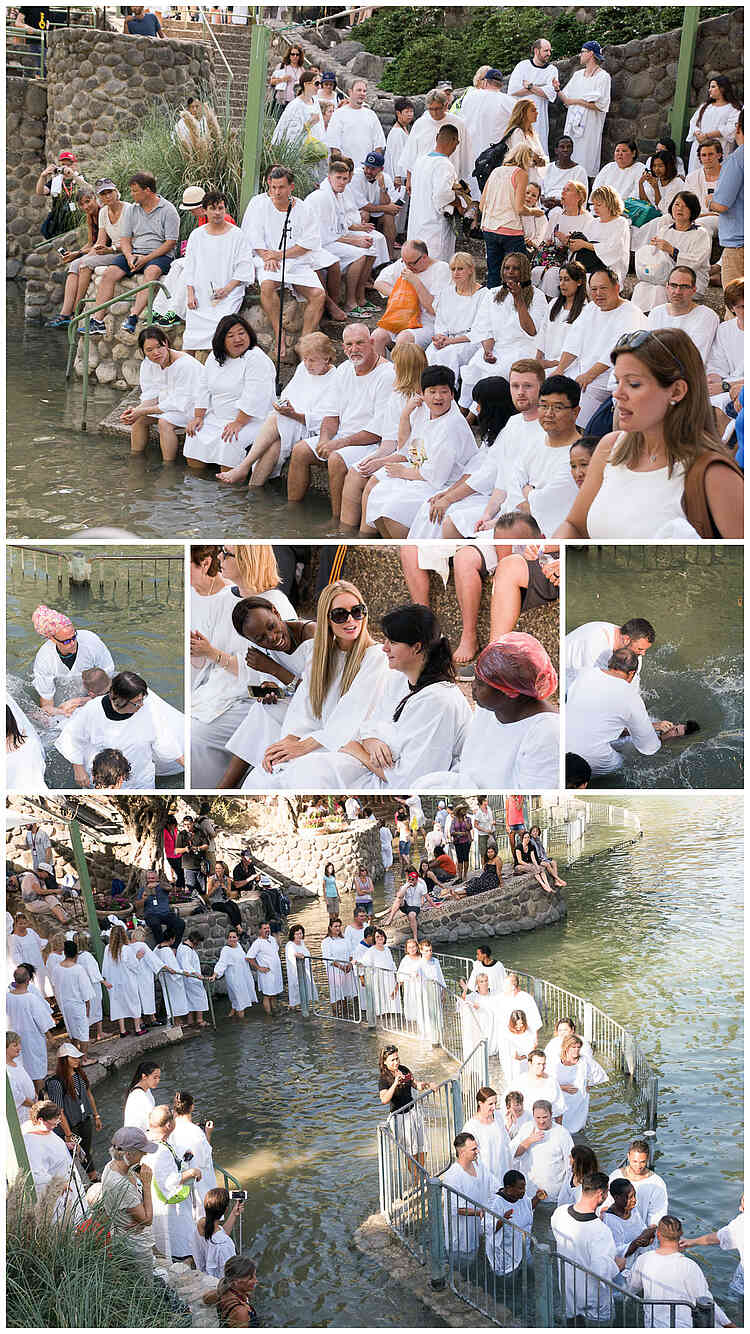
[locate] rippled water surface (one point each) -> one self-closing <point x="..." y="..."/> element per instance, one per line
<point x="653" y="937"/>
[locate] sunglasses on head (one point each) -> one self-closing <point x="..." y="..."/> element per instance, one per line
<point x="630" y="342"/>
<point x="340" y="615"/>
<point x="224" y="551"/>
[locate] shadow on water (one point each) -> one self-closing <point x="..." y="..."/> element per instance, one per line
<point x="295" y="1102"/>
<point x="694" y="669"/>
<point x="62" y="479"/>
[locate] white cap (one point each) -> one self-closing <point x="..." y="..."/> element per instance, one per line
<point x="67" y="1049"/>
<point x="44" y="866"/>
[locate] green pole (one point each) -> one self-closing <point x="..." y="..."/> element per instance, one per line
<point x="678" y="117"/>
<point x="254" y="113"/>
<point x="88" y="897"/>
<point x="17" y="1162"/>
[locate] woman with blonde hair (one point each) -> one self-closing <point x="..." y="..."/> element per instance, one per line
<point x="219" y="698"/>
<point x="604" y="241"/>
<point x="503" y="207"/>
<point x="339" y="690"/>
<point x="570" y="216"/>
<point x="298" y="414"/>
<point x="455" y="311"/>
<point x="120" y="968"/>
<point x="665" y="472"/>
<point x="409" y="361"/>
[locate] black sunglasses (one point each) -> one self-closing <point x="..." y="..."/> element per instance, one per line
<point x="630" y="342"/>
<point x="224" y="551"/>
<point x="340" y="615"/>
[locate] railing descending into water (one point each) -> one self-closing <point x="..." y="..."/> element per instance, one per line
<point x="131" y="571"/>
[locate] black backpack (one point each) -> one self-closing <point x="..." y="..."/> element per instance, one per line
<point x="491" y="157"/>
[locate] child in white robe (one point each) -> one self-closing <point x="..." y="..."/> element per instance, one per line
<point x="232" y="963"/>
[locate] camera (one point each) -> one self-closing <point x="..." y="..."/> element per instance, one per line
<point x="240" y="1195"/>
<point x="188" y="1156"/>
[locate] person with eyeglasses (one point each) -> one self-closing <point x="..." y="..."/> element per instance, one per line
<point x="340" y="688"/>
<point x="302" y="118"/>
<point x="66" y="653"/>
<point x="285" y="78"/>
<point x="682" y="311"/>
<point x="665" y="471"/>
<point x="587" y="344"/>
<point x="118" y="720"/>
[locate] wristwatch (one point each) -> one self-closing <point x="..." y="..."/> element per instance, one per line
<point x="726" y="386"/>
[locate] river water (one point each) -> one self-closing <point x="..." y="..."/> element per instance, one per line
<point x="694" y="669"/>
<point x="653" y="937"/>
<point x="135" y="606"/>
<point x="54" y="491"/>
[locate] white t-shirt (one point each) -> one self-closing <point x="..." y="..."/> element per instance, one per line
<point x="599" y="707"/>
<point x="435" y="278"/>
<point x="594" y="334"/>
<point x="661" y="1277"/>
<point x="357" y="400"/>
<point x="356" y="131"/>
<point x="701" y="324"/>
<point x="368" y="192"/>
<point x="114" y="230"/>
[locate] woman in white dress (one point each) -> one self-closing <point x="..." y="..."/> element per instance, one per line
<point x="195" y="992"/>
<point x="140" y="1101"/>
<point x="638" y="476"/>
<point x="50" y="1158"/>
<point x="571" y="216"/>
<point x="191" y="1137"/>
<point x="298" y="414"/>
<point x="569" y="300"/>
<point x="657" y="187"/>
<point x="508" y="325"/>
<point x="679" y="239"/>
<point x="607" y="234"/>
<point x="219" y="264"/>
<point x="21" y="1083"/>
<point x="25" y="946"/>
<point x="235" y="398"/>
<point x="120" y="967"/>
<point x="495" y="1152"/>
<point x="66" y="654"/>
<point x="409" y="975"/>
<point x="28" y="1014"/>
<point x="73" y="992"/>
<point x="455" y="312"/>
<point x="434" y="994"/>
<point x="576" y="1075"/>
<point x="297" y="949"/>
<point x="516" y="1041"/>
<point x="94" y="974"/>
<point x="624" y="173"/>
<point x="149" y="966"/>
<point x="232" y="963"/>
<point x="302" y="118"/>
<point x="172" y="985"/>
<point x="587" y="96"/>
<point x="439" y="447"/>
<point x="383" y="975"/>
<point x="25" y="760"/>
<point x="171" y="384"/>
<point x="342" y="985"/>
<point x="340" y="689"/>
<point x="716" y="118"/>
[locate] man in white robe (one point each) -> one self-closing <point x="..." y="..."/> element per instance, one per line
<point x="492" y="969"/>
<point x="543" y="1152"/>
<point x="536" y="1083"/>
<point x="424" y="133"/>
<point x="268" y="217"/>
<point x="651" y="1194"/>
<point x="601" y="705"/>
<point x="486" y="112"/>
<point x="663" y="1274"/>
<point x="475" y="1190"/>
<point x="581" y="1236"/>
<point x="173" y="1226"/>
<point x="263" y="957"/>
<point x="537" y="79"/>
<point x="592" y="645"/>
<point x="539" y="475"/>
<point x="61" y="659"/>
<point x="587" y="97"/>
<point x="119" y="721"/>
<point x="343" y="237"/>
<point x="604" y="319"/>
<point x="354" y="129"/>
<point x="433" y="193"/>
<point x="682" y="311"/>
<point x="218" y="265"/>
<point x="428" y="277"/>
<point x="29" y="1016"/>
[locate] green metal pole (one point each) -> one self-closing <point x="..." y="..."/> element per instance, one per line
<point x="18" y="1160"/>
<point x="678" y="116"/>
<point x="85" y="399"/>
<point x="97" y="946"/>
<point x="254" y="113"/>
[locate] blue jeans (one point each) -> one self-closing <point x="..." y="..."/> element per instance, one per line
<point x="497" y="248"/>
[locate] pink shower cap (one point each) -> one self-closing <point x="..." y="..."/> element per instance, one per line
<point x="51" y="623"/>
<point x="517" y="664"/>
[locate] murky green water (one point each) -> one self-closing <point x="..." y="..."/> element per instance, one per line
<point x="694" y="670"/>
<point x="62" y="480"/>
<point x="135" y="606"/>
<point x="653" y="936"/>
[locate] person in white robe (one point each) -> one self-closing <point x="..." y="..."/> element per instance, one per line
<point x="172" y="986"/>
<point x="397" y="139"/>
<point x="294" y="950"/>
<point x="172" y="1187"/>
<point x="663" y="1274"/>
<point x="703" y="182"/>
<point x="582" y="1237"/>
<point x="380" y="961"/>
<point x="117" y="720"/>
<point x="139" y="1104"/>
<point x="517" y="1040"/>
<point x="589" y="341"/>
<point x="150" y="965"/>
<point x="73" y="992"/>
<point x="282" y="230"/>
<point x="192" y="1138"/>
<point x="498" y="329"/>
<point x="170" y="384"/>
<point x="21" y="1083"/>
<point x="219" y="264"/>
<point x="624" y="173"/>
<point x="486" y="112"/>
<point x="25" y="946"/>
<point x="120" y="968"/>
<point x="481" y="1017"/>
<point x="29" y="1015"/>
<point x="650" y="1188"/>
<point x="543" y="1149"/>
<point x="409" y="974"/>
<point x="168" y="722"/>
<point x="699" y="322"/>
<point x="434" y="995"/>
<point x="495" y="1152"/>
<point x="601" y="705"/>
<point x="349" y="246"/>
<point x="656" y="190"/>
<point x="427" y="276"/>
<point x="424" y="133"/>
<point x="455" y="312"/>
<point x="93" y="972"/>
<point x="25" y="761"/>
<point x="50" y="668"/>
<point x="50" y="1159"/>
<point x="433" y="193"/>
<point x="626" y="1223"/>
<point x="593" y="643"/>
<point x="576" y="1074"/>
<point x="492" y="969"/>
<point x="587" y="97"/>
<point x="264" y="959"/>
<point x="536" y="1084"/>
<point x="354" y="128"/>
<point x="235" y="399"/>
<point x="726" y="362"/>
<point x="712" y="120"/>
<point x="374" y="194"/>
<point x="672" y="245"/>
<point x="195" y="992"/>
<point x="439" y="447"/>
<point x="302" y="118"/>
<point x="472" y="1189"/>
<point x="233" y="965"/>
<point x="342" y="982"/>
<point x="507" y="1245"/>
<point x="538" y="80"/>
<point x="562" y="170"/>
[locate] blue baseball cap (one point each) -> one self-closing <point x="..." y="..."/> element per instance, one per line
<point x="328" y="77"/>
<point x="374" y="160"/>
<point x="595" y="47"/>
<point x="494" y="75"/>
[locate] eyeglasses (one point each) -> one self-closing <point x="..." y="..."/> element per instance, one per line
<point x="68" y="639"/>
<point x="630" y="342"/>
<point x="224" y="551"/>
<point x="556" y="408"/>
<point x="340" y="615"/>
<point x="317" y="83"/>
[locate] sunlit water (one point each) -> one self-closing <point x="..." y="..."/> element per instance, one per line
<point x="62" y="480"/>
<point x="694" y="670"/>
<point x="653" y="936"/>
<point x="142" y="625"/>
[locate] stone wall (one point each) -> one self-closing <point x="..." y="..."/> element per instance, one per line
<point x="519" y="905"/>
<point x="25" y="126"/>
<point x="302" y="855"/>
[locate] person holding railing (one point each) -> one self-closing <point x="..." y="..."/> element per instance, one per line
<point x="472" y="1188"/>
<point x="396" y="1091"/>
<point x="671" y="1281"/>
<point x="582" y="1237"/>
<point x="195" y="992"/>
<point x="190" y="1137"/>
<point x="297" y="949"/>
<point x="341" y="983"/>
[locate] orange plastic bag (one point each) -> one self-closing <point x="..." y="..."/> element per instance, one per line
<point x="402" y="311"/>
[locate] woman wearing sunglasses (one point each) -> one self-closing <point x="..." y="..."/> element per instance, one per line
<point x="66" y="653"/>
<point x="302" y="118"/>
<point x="339" y="690"/>
<point x="285" y="78"/>
<point x="665" y="471"/>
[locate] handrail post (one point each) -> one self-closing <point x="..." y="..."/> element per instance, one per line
<point x="703" y="1313"/>
<point x="438" y="1253"/>
<point x="652" y="1114"/>
<point x="370" y="998"/>
<point x="304" y="995"/>
<point x="457" y="1106"/>
<point x="588" y="1022"/>
<point x="485" y="1062"/>
<point x="85" y="398"/>
<point x="543" y="1286"/>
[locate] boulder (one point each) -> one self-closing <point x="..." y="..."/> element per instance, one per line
<point x="345" y="51"/>
<point x="367" y="66"/>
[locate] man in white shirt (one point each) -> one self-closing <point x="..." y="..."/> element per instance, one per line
<point x="354" y="129"/>
<point x="581" y="1236"/>
<point x="358" y="390"/>
<point x="603" y="320"/>
<point x="729" y="1238"/>
<point x="375" y="194"/>
<point x="398" y="137"/>
<point x="537" y="79"/>
<point x="486" y="111"/>
<point x="592" y="644"/>
<point x="601" y="706"/>
<point x="352" y="808"/>
<point x="665" y="1275"/>
<point x="463" y="1211"/>
<point x="434" y="190"/>
<point x="536" y="1084"/>
<point x="427" y="276"/>
<point x="483" y="820"/>
<point x="265" y="220"/>
<point x="491" y="968"/>
<point x="544" y="1152"/>
<point x="682" y="311"/>
<point x="650" y="1189"/>
<point x="344" y="236"/>
<point x="514" y="998"/>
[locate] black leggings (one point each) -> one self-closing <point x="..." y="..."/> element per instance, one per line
<point x="230" y="909"/>
<point x="85" y="1130"/>
<point x="176" y="864"/>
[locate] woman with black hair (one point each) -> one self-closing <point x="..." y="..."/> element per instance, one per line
<point x="682" y="240"/>
<point x="212" y="1240"/>
<point x="716" y="118"/>
<point x="565" y="309"/>
<point x="657" y="187"/>
<point x="237" y="396"/>
<point x="171" y="384"/>
<point x="24" y="754"/>
<point x="117" y="720"/>
<point x="507" y="326"/>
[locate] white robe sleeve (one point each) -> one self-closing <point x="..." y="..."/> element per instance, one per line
<point x="642" y="732"/>
<point x="426" y="736"/>
<point x="538" y="760"/>
<point x="222" y="963"/>
<point x="75" y="738"/>
<point x="43" y="675"/>
<point x="258" y="379"/>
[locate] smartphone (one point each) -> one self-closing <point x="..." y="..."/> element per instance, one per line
<point x="61" y="250"/>
<point x="238" y="1195"/>
<point x="261" y="692"/>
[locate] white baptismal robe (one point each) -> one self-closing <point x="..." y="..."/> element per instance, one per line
<point x="422" y="140"/>
<point x="433" y="176"/>
<point x="591" y="645"/>
<point x="498" y="321"/>
<point x="263" y="723"/>
<point x="210" y="263"/>
<point x="265" y="953"/>
<point x="599" y="708"/>
<point x="30" y="1016"/>
<point x="582" y="1076"/>
<point x="49" y="667"/>
<point x="440" y="448"/>
<point x="495" y="1152"/>
<point x="524" y="755"/>
<point x="585" y="1239"/>
<point x="233" y="965"/>
<point x="307" y="394"/>
<point x="215" y="690"/>
<point x="486" y="113"/>
<point x="90" y="731"/>
<point x="195" y="992"/>
<point x="72" y="992"/>
<point x="242" y="384"/>
<point x="667" y="1278"/>
<point x="175" y="389"/>
<point x="583" y="125"/>
<point x="263" y="225"/>
<point x="25" y="766"/>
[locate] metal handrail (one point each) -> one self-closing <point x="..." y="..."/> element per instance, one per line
<point x="230" y="74"/>
<point x="86" y="315"/>
<point x="38" y="35"/>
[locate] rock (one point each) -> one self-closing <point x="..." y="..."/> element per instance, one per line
<point x="106" y="373"/>
<point x="345" y="51"/>
<point x="367" y="66"/>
